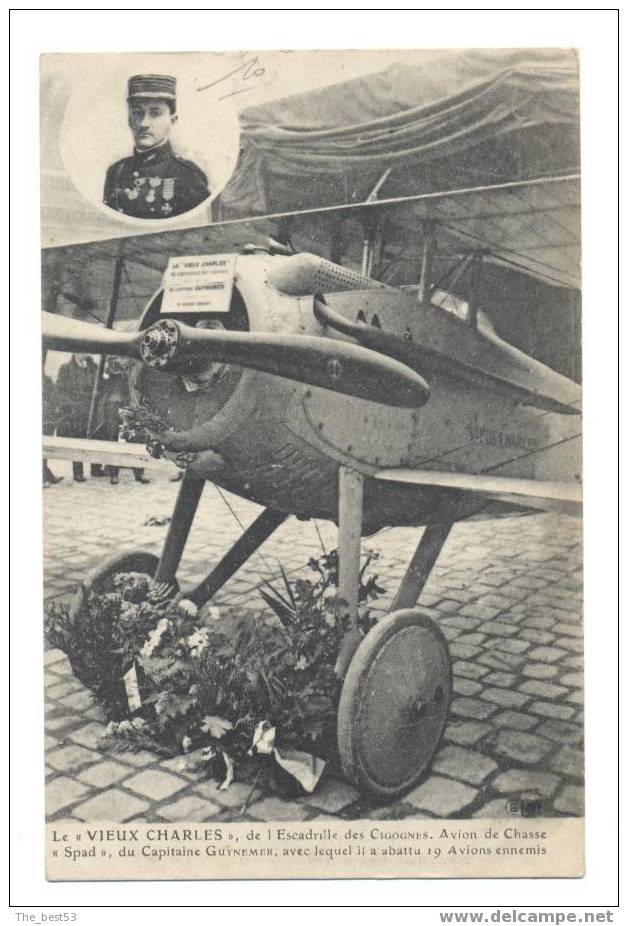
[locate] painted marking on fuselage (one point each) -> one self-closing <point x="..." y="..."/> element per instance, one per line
<point x="497" y="437"/>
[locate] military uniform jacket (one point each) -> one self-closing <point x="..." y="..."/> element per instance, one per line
<point x="50" y="409"/>
<point x="154" y="184"/>
<point x="74" y="395"/>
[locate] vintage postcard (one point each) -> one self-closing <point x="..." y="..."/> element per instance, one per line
<point x="312" y="464"/>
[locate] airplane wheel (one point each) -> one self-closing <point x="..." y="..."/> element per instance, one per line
<point x="394" y="703"/>
<point x="101" y="579"/>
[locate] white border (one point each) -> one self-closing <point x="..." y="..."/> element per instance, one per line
<point x="594" y="33"/>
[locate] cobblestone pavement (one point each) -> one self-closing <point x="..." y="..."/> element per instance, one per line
<point x="506" y="593"/>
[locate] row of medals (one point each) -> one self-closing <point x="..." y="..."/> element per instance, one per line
<point x="167" y="192"/>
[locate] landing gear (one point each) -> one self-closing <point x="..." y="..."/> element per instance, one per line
<point x="397" y="683"/>
<point x="394" y="703"/>
<point x="164" y="568"/>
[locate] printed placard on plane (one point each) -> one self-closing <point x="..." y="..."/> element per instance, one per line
<point x="198" y="283"/>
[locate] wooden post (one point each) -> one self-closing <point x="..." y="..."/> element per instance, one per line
<point x="370" y="226"/>
<point x="425" y="283"/>
<point x="367" y="257"/>
<point x="474" y="281"/>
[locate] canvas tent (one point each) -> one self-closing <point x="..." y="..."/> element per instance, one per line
<point x="442" y="112"/>
<point x="457" y="120"/>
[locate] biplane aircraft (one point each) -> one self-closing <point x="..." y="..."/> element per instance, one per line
<point x="323" y="392"/>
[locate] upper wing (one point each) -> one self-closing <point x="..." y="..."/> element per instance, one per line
<point x="546" y="496"/>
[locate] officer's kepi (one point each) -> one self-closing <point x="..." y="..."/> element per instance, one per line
<point x="153" y="87"/>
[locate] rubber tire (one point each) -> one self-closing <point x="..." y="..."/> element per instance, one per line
<point x="130" y="561"/>
<point x="358" y="742"/>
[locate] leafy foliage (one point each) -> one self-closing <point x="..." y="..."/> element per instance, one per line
<point x="142" y="424"/>
<point x="205" y="685"/>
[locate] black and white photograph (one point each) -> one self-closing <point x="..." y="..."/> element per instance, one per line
<point x="312" y="464"/>
<point x="132" y="137"/>
<point x="140" y="185"/>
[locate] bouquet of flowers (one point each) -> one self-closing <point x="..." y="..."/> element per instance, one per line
<point x="220" y="688"/>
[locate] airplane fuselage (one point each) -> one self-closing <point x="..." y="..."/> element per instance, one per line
<point x="281" y="443"/>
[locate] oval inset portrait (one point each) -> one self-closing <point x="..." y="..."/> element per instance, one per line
<point x="144" y="145"/>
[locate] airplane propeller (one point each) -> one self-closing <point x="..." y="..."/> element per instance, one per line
<point x="173" y="346"/>
<point x="68" y="334"/>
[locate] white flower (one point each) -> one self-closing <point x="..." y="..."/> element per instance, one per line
<point x="154" y="637"/>
<point x="216" y="726"/>
<point x="301" y="663"/>
<point x="128" y="612"/>
<point x="198" y="641"/>
<point x="138" y="723"/>
<point x="187" y="607"/>
<point x="186" y="742"/>
<point x="112" y="728"/>
<point x="125" y="727"/>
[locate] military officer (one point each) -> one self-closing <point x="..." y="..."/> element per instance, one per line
<point x="154" y="183"/>
<point x="75" y="384"/>
<point x="116" y="396"/>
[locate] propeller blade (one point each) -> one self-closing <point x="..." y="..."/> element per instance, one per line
<point x="68" y="334"/>
<point x="315" y="361"/>
<point x="171" y="345"/>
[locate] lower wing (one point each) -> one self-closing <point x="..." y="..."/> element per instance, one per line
<point x="108" y="453"/>
<point x="546" y="496"/>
